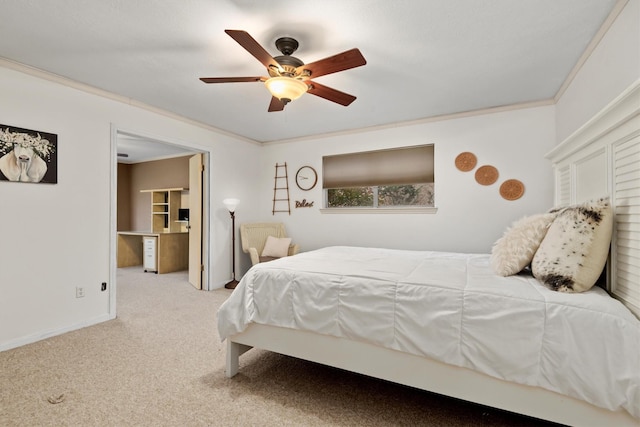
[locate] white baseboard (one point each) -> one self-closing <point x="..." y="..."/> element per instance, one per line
<point x="29" y="339"/>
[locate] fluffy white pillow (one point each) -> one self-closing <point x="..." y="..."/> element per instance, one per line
<point x="276" y="247"/>
<point x="514" y="250"/>
<point x="572" y="255"/>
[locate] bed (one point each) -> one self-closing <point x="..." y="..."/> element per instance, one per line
<point x="445" y="322"/>
<point x="448" y="307"/>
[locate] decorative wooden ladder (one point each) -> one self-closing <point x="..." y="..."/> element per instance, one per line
<point x="279" y="188"/>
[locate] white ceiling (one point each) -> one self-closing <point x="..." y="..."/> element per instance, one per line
<point x="136" y="149"/>
<point x="425" y="58"/>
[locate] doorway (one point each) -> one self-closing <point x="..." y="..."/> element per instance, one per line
<point x="134" y="147"/>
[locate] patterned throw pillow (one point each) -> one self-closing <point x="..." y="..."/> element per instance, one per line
<point x="574" y="251"/>
<point x="514" y="250"/>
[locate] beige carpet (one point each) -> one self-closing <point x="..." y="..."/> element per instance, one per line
<point x="161" y="363"/>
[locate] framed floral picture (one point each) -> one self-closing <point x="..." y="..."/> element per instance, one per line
<point x="28" y="155"/>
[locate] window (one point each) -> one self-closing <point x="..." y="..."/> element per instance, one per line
<point x="377" y="180"/>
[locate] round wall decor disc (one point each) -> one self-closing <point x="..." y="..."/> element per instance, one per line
<point x="512" y="189"/>
<point x="466" y="161"/>
<point x="486" y="175"/>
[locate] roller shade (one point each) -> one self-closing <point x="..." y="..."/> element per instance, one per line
<point x="409" y="165"/>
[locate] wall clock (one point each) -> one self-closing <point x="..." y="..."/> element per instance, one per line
<point x="306" y="178"/>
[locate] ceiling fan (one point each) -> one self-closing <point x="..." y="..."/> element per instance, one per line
<point x="289" y="77"/>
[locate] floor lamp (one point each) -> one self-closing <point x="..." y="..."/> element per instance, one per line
<point x="231" y="204"/>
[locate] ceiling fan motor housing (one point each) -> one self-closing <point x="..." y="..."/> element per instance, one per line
<point x="288" y="63"/>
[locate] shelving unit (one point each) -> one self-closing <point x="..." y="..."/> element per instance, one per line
<point x="165" y="248"/>
<point x="165" y="203"/>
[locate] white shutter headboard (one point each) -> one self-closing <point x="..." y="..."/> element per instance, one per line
<point x="603" y="158"/>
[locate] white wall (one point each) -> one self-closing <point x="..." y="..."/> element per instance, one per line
<point x="470" y="216"/>
<point x="612" y="67"/>
<point x="57" y="236"/>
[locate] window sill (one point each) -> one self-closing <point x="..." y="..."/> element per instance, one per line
<point x="403" y="210"/>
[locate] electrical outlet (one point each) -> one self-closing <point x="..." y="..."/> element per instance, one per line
<point x="103" y="287"/>
<point x="79" y="292"/>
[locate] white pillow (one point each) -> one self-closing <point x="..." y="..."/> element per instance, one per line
<point x="276" y="247"/>
<point x="572" y="255"/>
<point x="514" y="250"/>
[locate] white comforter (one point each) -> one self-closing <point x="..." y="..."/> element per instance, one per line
<point x="451" y="307"/>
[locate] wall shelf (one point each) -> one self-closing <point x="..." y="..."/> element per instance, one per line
<point x="165" y="203"/>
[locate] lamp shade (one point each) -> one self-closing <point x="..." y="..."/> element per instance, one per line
<point x="231" y="204"/>
<point x="286" y="88"/>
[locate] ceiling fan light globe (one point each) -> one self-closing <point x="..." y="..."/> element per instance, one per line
<point x="286" y="88"/>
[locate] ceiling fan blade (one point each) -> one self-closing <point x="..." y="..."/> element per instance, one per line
<point x="331" y="94"/>
<point x="231" y="79"/>
<point x="342" y="61"/>
<point x="253" y="47"/>
<point x="276" y="104"/>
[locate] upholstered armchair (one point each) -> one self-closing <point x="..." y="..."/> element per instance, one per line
<point x="266" y="241"/>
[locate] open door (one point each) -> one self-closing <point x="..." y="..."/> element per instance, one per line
<point x="196" y="169"/>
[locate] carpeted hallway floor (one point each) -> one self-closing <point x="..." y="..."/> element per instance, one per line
<point x="161" y="363"/>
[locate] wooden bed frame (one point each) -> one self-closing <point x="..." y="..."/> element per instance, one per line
<point x="619" y="121"/>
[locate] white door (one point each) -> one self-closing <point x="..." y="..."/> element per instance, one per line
<point x="196" y="169"/>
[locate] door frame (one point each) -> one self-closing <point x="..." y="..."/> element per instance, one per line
<point x="190" y="148"/>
